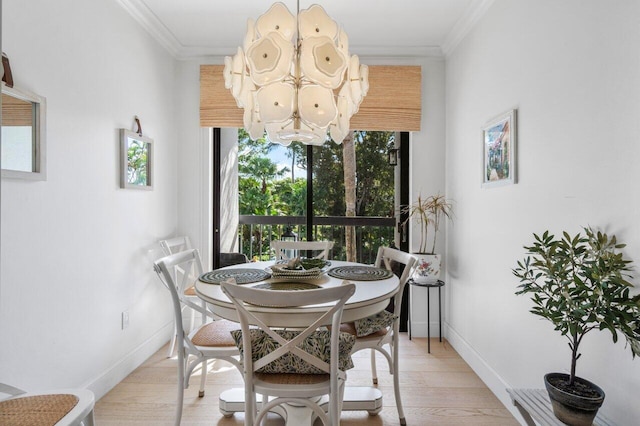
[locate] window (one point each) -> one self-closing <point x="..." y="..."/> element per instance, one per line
<point x="275" y="193"/>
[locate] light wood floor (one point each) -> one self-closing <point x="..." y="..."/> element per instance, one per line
<point x="437" y="389"/>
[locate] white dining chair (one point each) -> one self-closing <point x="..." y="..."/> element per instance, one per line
<point x="176" y="244"/>
<point x="188" y="292"/>
<point x="64" y="407"/>
<point x="211" y="340"/>
<point x="286" y="250"/>
<point x="286" y="366"/>
<point x="384" y="339"/>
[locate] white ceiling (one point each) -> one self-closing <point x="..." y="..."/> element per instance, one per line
<point x="191" y="28"/>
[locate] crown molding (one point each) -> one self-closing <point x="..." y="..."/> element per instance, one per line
<point x="150" y="22"/>
<point x="186" y="53"/>
<point x="397" y="51"/>
<point x="464" y="25"/>
<point x="362" y="51"/>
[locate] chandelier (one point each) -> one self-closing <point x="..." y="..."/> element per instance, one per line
<point x="294" y="78"/>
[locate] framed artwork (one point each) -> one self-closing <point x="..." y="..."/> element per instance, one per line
<point x="136" y="160"/>
<point x="499" y="150"/>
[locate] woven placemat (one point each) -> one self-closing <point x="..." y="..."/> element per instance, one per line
<point x="284" y="286"/>
<point x="360" y="273"/>
<point x="241" y="275"/>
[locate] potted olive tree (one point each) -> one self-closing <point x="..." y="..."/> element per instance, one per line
<point x="429" y="213"/>
<point x="580" y="284"/>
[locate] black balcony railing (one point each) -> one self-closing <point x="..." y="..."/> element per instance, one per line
<point x="257" y="232"/>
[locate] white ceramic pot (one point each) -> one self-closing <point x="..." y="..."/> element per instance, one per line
<point x="428" y="268"/>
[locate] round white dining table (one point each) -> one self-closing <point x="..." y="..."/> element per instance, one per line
<point x="369" y="298"/>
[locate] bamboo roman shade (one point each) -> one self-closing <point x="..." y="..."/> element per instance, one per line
<point x="16" y="112"/>
<point x="394" y="101"/>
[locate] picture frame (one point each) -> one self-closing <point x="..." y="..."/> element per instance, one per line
<point x="136" y="161"/>
<point x="499" y="138"/>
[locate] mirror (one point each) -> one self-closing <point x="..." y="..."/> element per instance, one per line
<point x="23" y="134"/>
<point x="136" y="155"/>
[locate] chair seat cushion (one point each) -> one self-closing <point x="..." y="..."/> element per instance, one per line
<point x="349" y="327"/>
<point x="374" y="323"/>
<point x="317" y="344"/>
<point x="216" y="333"/>
<point x="191" y="291"/>
<point x="40" y="410"/>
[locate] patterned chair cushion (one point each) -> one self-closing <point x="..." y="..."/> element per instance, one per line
<point x="317" y="344"/>
<point x="379" y="321"/>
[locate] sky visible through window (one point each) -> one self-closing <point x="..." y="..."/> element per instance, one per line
<point x="279" y="156"/>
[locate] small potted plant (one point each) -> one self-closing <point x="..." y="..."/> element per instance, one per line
<point x="580" y="283"/>
<point x="429" y="212"/>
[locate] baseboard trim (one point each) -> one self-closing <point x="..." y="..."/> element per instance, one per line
<point x="116" y="373"/>
<point x="487" y="374"/>
<point x="419" y="329"/>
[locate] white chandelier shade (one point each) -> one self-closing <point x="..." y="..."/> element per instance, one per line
<point x="294" y="77"/>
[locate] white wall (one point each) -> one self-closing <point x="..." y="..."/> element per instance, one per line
<point x="427" y="177"/>
<point x="193" y="161"/>
<point x="572" y="68"/>
<point x="75" y="247"/>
